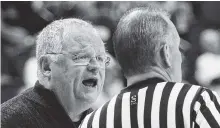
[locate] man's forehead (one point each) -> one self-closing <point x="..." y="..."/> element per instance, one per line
<point x="91" y="49"/>
<point x="73" y="46"/>
<point x="80" y="37"/>
<point x="81" y="33"/>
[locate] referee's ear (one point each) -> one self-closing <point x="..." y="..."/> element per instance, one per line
<point x="166" y="56"/>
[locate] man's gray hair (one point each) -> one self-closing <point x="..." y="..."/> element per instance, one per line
<point x="139" y="35"/>
<point x="50" y="38"/>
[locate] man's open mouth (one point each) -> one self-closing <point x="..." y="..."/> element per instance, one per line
<point x="90" y="82"/>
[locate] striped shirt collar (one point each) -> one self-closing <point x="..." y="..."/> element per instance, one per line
<point x="142" y="84"/>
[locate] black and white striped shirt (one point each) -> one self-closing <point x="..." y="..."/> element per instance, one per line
<point x="158" y="105"/>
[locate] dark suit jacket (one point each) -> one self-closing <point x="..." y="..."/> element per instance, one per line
<point x="37" y="107"/>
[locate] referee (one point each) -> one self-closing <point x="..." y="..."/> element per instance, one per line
<point x="147" y="47"/>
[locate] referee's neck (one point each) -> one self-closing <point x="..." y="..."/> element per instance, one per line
<point x="151" y="73"/>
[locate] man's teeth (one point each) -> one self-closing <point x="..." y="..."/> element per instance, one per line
<point x="90" y="82"/>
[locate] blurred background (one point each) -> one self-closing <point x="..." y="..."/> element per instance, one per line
<point x="198" y="24"/>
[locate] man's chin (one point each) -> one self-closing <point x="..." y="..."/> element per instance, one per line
<point x="87" y="93"/>
<point x="90" y="99"/>
<point x="87" y="96"/>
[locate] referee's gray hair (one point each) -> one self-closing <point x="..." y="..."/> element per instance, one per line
<point x="140" y="32"/>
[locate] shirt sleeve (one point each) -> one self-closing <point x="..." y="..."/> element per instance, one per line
<point x="207" y="109"/>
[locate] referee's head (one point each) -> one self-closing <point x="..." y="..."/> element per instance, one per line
<point x="146" y="39"/>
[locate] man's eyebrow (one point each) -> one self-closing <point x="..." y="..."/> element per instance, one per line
<point x="101" y="53"/>
<point x="82" y="50"/>
<point x="75" y="52"/>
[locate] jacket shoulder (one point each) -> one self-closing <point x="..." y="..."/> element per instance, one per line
<point x="14" y="112"/>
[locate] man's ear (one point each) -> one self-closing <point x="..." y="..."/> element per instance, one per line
<point x="166" y="55"/>
<point x="45" y="62"/>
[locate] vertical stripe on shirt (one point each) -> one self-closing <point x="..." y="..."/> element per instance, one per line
<point x="171" y="117"/>
<point x="141" y="102"/>
<point x="209" y="110"/>
<point x="110" y="114"/>
<point x="85" y="121"/>
<point x="201" y="121"/>
<point x="195" y="111"/>
<point x="164" y="103"/>
<point x="179" y="105"/>
<point x="95" y="122"/>
<point x="117" y="115"/>
<point x="125" y="112"/>
<point x="196" y="125"/>
<point x="155" y="120"/>
<point x="197" y="106"/>
<point x="187" y="105"/>
<point x="217" y="97"/>
<point x="103" y="116"/>
<point x="133" y="108"/>
<point x="214" y="98"/>
<point x="148" y="106"/>
<point x="89" y="124"/>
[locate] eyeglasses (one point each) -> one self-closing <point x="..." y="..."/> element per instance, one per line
<point x="85" y="59"/>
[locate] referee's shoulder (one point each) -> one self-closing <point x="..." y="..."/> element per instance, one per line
<point x="198" y="89"/>
<point x="185" y="85"/>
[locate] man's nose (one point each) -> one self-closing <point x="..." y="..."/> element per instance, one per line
<point x="93" y="66"/>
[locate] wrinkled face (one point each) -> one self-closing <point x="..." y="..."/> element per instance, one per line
<point x="79" y="71"/>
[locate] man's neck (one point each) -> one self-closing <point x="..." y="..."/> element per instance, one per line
<point x="153" y="72"/>
<point x="77" y="111"/>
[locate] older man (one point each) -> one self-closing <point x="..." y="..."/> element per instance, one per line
<point x="147" y="48"/>
<point x="71" y="70"/>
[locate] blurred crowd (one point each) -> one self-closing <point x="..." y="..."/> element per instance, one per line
<point x="198" y="24"/>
